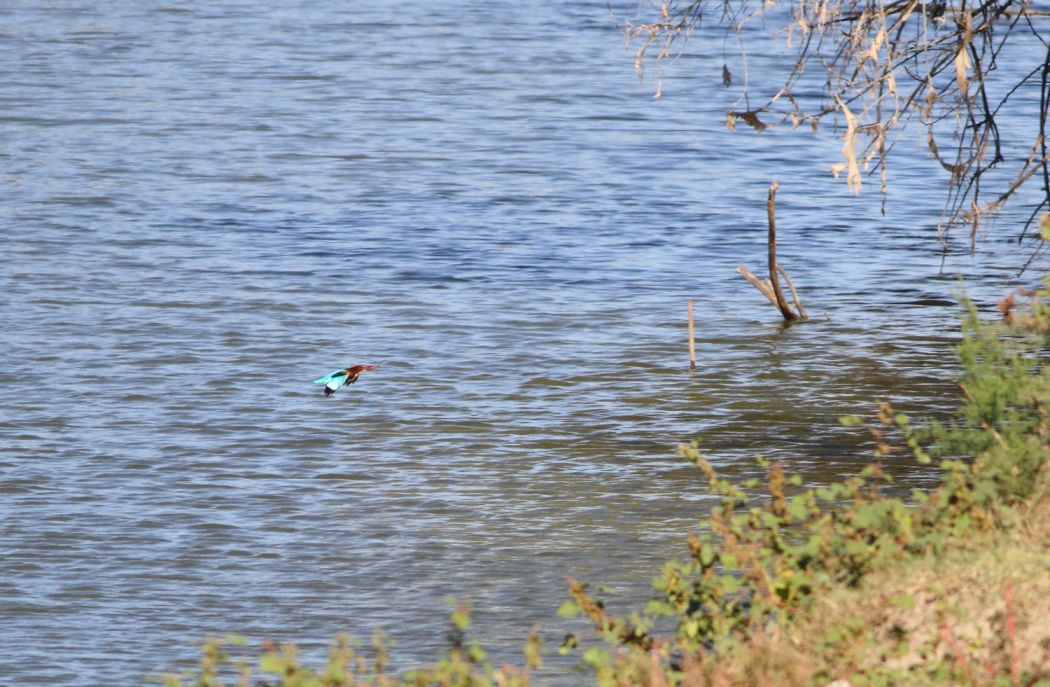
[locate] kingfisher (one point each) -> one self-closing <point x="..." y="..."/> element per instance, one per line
<point x="333" y="380"/>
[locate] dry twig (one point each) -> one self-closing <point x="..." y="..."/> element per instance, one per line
<point x="770" y="288"/>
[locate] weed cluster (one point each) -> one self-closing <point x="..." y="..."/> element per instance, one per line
<point x="464" y="664"/>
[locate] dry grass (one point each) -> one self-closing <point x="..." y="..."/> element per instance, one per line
<point x="982" y="610"/>
<point x="977" y="615"/>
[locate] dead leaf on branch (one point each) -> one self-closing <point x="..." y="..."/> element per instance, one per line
<point x="751" y="119"/>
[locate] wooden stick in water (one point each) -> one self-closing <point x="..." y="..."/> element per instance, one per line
<point x="794" y="294"/>
<point x="770" y="288"/>
<point x="692" y="345"/>
<point x="774" y="279"/>
<point x="764" y="287"/>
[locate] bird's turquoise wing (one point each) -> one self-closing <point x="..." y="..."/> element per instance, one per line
<point x="332" y="376"/>
<point x="335" y="383"/>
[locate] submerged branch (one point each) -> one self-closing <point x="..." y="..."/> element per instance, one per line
<point x="785" y="308"/>
<point x="770" y="288"/>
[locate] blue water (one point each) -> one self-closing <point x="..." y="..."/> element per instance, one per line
<point x="208" y="205"/>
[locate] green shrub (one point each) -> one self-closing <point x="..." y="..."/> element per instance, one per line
<point x="464" y="664"/>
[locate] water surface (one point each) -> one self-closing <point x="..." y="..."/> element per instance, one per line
<point x="208" y="205"/>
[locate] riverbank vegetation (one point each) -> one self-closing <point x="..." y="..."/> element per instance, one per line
<point x="834" y="584"/>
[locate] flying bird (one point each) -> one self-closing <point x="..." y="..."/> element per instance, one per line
<point x="333" y="380"/>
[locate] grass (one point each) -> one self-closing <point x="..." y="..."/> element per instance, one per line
<point x="977" y="614"/>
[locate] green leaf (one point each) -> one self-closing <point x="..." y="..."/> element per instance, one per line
<point x="797" y="508"/>
<point x="770" y="521"/>
<point x="568" y="609"/>
<point x="271" y="663"/>
<point x="461" y="618"/>
<point x="850" y="420"/>
<point x="904" y="601"/>
<point x="730" y="584"/>
<point x="659" y="608"/>
<point x="596" y="656"/>
<point x="476" y="654"/>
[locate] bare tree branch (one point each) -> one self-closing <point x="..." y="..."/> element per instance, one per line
<point x="885" y="64"/>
